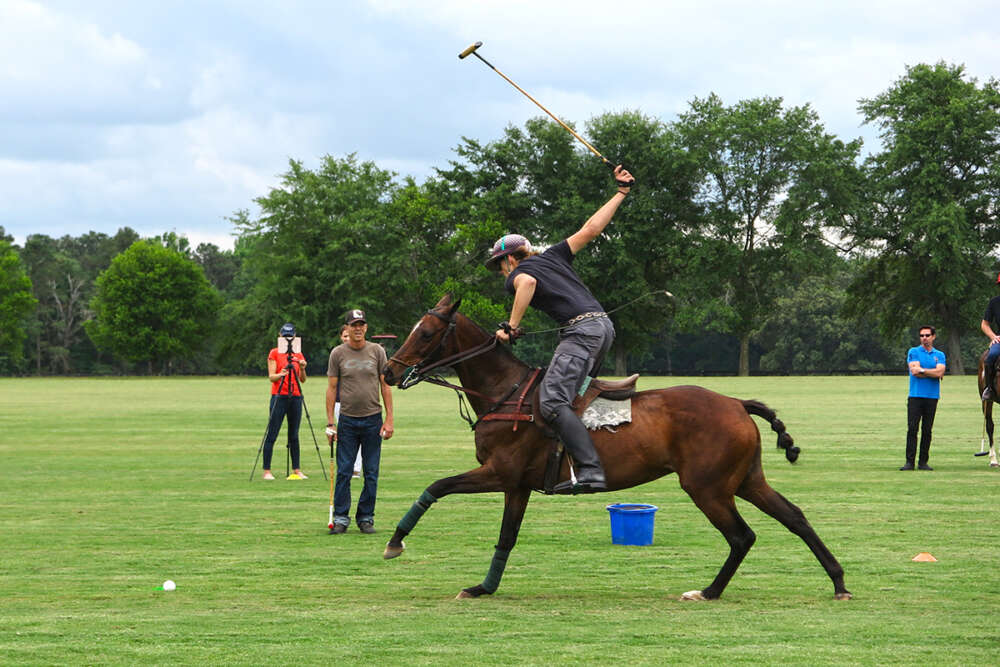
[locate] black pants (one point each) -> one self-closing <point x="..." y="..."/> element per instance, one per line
<point x="918" y="409"/>
<point x="283" y="406"/>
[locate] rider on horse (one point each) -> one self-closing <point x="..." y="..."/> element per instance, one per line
<point x="548" y="282"/>
<point x="990" y="319"/>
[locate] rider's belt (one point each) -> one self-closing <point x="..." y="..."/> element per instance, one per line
<point x="584" y="316"/>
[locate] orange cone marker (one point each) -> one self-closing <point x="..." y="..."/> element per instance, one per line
<point x="924" y="557"/>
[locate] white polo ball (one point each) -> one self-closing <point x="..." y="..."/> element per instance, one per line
<point x="169" y="585"/>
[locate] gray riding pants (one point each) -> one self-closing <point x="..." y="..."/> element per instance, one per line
<point x="581" y="351"/>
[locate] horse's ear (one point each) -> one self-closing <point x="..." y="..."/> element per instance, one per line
<point x="454" y="306"/>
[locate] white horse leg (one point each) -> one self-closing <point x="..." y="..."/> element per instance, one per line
<point x="993" y="457"/>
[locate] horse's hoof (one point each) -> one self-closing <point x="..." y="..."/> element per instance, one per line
<point x="995" y="465"/>
<point x="693" y="595"/>
<point x="391" y="551"/>
<point x="846" y="595"/>
<point x="464" y="595"/>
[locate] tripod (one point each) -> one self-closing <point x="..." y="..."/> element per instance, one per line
<point x="290" y="376"/>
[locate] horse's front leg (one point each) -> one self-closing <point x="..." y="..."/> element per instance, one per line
<point x="481" y="480"/>
<point x="515" y="502"/>
<point x="988" y="415"/>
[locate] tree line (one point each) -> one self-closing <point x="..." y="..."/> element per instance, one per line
<point x="785" y="250"/>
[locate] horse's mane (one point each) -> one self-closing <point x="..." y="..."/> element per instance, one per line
<point x="504" y="350"/>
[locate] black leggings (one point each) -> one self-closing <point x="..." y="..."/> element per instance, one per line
<point x="282" y="405"/>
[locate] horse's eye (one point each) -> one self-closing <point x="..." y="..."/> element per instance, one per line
<point x="426" y="335"/>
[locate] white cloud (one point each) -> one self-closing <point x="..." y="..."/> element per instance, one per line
<point x="171" y="116"/>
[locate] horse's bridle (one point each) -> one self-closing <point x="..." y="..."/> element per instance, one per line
<point x="419" y="372"/>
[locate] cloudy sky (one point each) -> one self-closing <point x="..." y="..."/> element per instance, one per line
<point x="172" y="115"/>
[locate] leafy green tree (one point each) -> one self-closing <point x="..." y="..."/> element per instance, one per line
<point x="774" y="183"/>
<point x="220" y="266"/>
<point x="806" y="332"/>
<point x="346" y="235"/>
<point x="935" y="193"/>
<point x="63" y="273"/>
<point x="16" y="304"/>
<point x="539" y="182"/>
<point x="153" y="304"/>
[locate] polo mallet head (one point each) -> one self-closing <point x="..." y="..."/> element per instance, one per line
<point x="471" y="50"/>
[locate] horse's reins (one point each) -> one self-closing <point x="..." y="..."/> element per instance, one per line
<point x="624" y="305"/>
<point x="421" y="372"/>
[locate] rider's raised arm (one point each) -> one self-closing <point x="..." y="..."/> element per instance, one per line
<point x="600" y="219"/>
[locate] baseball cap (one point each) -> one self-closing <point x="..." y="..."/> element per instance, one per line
<point x="353" y="316"/>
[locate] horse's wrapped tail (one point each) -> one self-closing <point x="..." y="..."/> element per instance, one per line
<point x="784" y="440"/>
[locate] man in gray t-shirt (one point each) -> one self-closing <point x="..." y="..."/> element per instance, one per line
<point x="357" y="368"/>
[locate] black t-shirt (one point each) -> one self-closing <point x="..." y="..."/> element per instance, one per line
<point x="559" y="292"/>
<point x="992" y="315"/>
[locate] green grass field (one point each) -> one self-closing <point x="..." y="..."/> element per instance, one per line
<point x="111" y="486"/>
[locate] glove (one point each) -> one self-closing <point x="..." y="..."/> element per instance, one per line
<point x="331" y="431"/>
<point x="513" y="332"/>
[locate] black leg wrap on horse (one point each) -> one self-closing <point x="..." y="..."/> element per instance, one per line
<point x="576" y="439"/>
<point x="497" y="566"/>
<point x="416" y="511"/>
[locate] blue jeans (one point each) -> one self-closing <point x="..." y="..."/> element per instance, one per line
<point x="283" y="406"/>
<point x="352" y="433"/>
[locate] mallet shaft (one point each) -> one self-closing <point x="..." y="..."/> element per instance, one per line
<point x="472" y="50"/>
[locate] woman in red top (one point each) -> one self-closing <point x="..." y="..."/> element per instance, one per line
<point x="285" y="375"/>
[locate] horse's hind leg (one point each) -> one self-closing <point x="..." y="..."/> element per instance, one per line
<point x="480" y="480"/>
<point x="760" y="493"/>
<point x="723" y="515"/>
<point x="515" y="502"/>
<point x="988" y="416"/>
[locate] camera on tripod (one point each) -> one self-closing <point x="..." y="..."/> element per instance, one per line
<point x="293" y="343"/>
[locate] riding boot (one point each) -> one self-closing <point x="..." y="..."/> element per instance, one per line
<point x="576" y="440"/>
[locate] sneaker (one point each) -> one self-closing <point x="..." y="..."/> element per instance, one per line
<point x="366" y="527"/>
<point x="908" y="466"/>
<point x="302" y="475"/>
<point x="338" y="529"/>
<point x="268" y="476"/>
<point x="924" y="466"/>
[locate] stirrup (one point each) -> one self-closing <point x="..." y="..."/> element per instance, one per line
<point x="578" y="487"/>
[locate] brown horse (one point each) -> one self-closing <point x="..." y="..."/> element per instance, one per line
<point x="987" y="412"/>
<point x="708" y="439"/>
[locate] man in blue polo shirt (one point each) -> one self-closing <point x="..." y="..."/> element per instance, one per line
<point x="926" y="366"/>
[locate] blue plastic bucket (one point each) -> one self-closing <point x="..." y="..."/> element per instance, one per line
<point x="632" y="523"/>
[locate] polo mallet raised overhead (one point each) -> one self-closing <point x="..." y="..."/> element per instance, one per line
<point x="472" y="50"/>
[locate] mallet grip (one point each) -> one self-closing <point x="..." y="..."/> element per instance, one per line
<point x="469" y="50"/>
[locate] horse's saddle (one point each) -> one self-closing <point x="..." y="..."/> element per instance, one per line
<point x="612" y="390"/>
